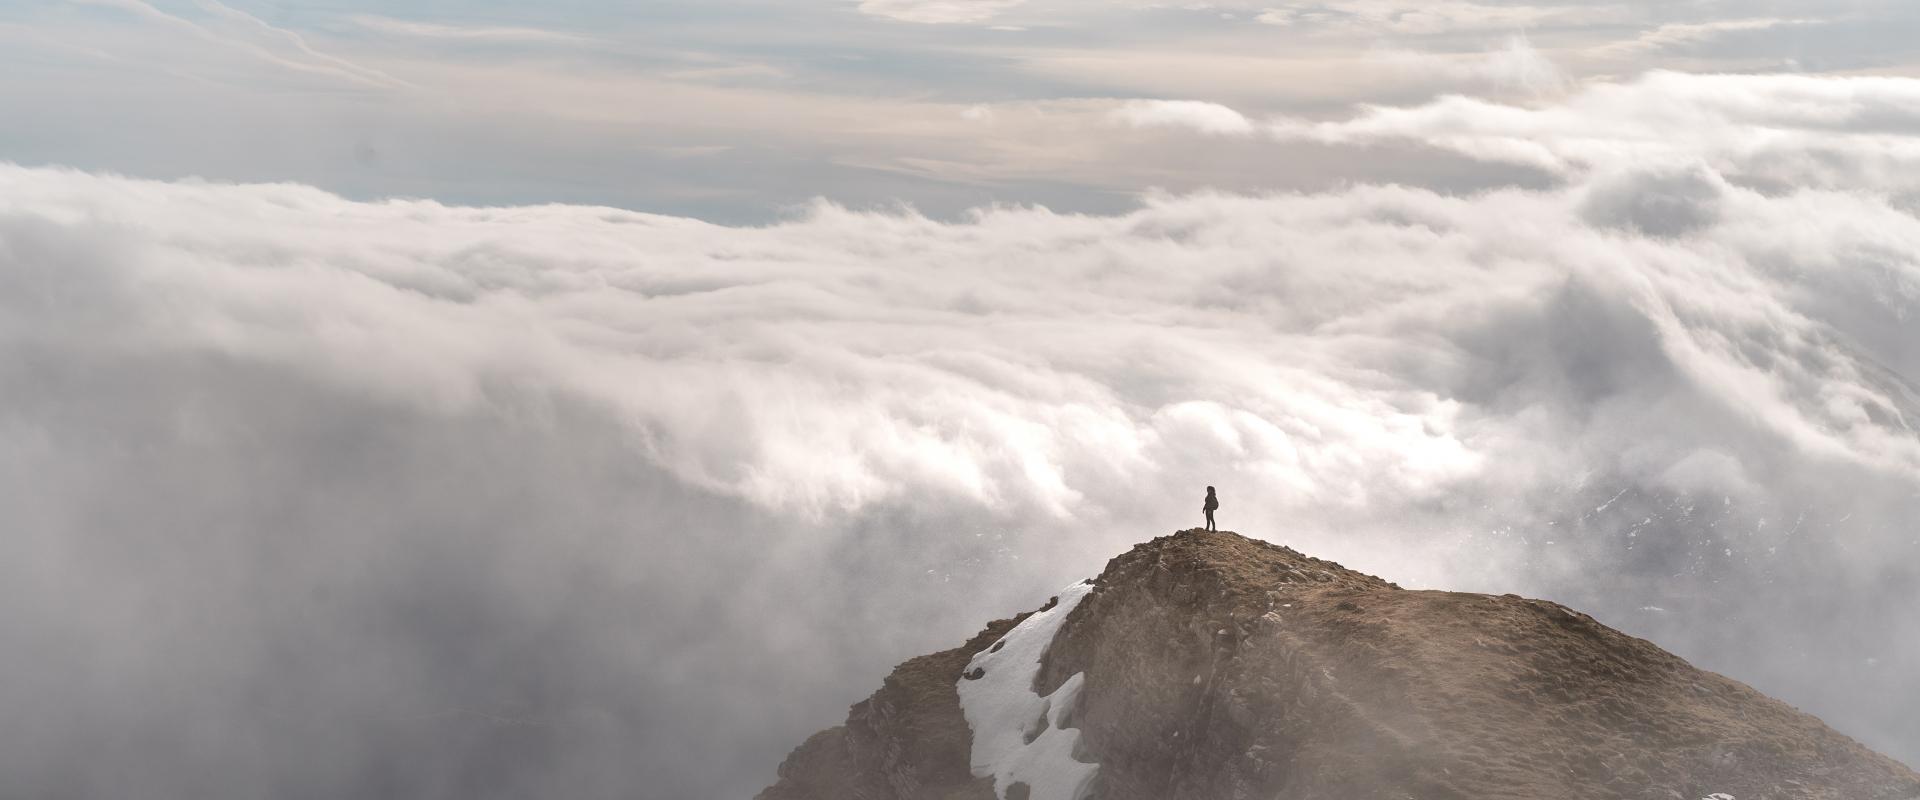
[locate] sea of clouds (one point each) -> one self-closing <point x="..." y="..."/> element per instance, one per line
<point x="311" y="497"/>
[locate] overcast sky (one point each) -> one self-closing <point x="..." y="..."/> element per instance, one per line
<point x="585" y="400"/>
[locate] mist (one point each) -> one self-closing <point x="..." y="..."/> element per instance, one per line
<point x="314" y="497"/>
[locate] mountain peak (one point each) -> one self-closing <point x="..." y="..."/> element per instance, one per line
<point x="1240" y="562"/>
<point x="1207" y="665"/>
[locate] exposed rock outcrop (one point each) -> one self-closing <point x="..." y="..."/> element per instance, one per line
<point x="1218" y="667"/>
<point x="909" y="740"/>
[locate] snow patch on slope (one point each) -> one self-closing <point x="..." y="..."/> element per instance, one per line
<point x="1018" y="735"/>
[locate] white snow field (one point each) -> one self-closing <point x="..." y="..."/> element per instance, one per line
<point x="1017" y="734"/>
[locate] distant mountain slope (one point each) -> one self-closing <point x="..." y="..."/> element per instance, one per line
<point x="1208" y="666"/>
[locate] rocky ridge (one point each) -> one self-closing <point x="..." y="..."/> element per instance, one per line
<point x="1216" y="666"/>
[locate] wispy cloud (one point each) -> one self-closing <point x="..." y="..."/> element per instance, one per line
<point x="292" y="54"/>
<point x="1681" y="34"/>
<point x="1426" y="18"/>
<point x="731" y="72"/>
<point x="1204" y="117"/>
<point x="1518" y="66"/>
<point x="938" y="12"/>
<point x="292" y="40"/>
<point x="474" y="33"/>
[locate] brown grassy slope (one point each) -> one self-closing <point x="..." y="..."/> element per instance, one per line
<point x="1221" y="667"/>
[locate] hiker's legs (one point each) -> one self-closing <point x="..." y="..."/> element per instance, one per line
<point x="1210" y="519"/>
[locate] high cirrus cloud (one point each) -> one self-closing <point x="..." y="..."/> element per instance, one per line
<point x="405" y="499"/>
<point x="1681" y="34"/>
<point x="937" y="12"/>
<point x="1401" y="17"/>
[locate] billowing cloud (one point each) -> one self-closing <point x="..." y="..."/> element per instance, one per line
<point x="406" y="499"/>
<point x="1776" y="130"/>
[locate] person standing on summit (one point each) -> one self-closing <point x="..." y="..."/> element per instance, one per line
<point x="1208" y="507"/>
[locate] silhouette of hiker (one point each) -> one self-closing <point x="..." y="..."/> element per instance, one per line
<point x="1208" y="507"/>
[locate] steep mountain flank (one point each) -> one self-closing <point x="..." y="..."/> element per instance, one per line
<point x="1208" y="666"/>
<point x="908" y="740"/>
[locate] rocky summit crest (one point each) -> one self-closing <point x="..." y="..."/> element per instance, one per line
<point x="1209" y="666"/>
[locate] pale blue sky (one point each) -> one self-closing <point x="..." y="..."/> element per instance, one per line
<point x="734" y="111"/>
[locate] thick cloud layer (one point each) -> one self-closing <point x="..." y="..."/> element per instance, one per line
<point x="313" y="497"/>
